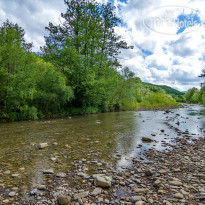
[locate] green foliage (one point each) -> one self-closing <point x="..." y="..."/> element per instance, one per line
<point x="193" y="96"/>
<point x="157" y="100"/>
<point x="177" y="95"/>
<point x="78" y="73"/>
<point x="28" y="85"/>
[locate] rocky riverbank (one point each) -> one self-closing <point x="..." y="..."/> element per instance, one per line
<point x="169" y="177"/>
<point x="174" y="175"/>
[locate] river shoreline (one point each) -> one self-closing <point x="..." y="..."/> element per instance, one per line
<point x="174" y="175"/>
<point x="61" y="116"/>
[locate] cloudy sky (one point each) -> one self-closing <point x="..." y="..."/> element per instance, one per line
<point x="168" y="35"/>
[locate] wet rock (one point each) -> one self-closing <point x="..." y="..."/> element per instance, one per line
<point x="81" y="195"/>
<point x="12" y="194"/>
<point x="6" y="201"/>
<point x="81" y="174"/>
<point x="63" y="200"/>
<point x="41" y="187"/>
<point x="42" y="145"/>
<point x="53" y="159"/>
<point x="33" y="192"/>
<point x="7" y="172"/>
<point x="60" y="175"/>
<point x="146" y="140"/>
<point x="48" y="171"/>
<point x="102" y="181"/>
<point x="15" y="175"/>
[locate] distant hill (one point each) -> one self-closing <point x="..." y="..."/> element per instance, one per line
<point x="168" y="89"/>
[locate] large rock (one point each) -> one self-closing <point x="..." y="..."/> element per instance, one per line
<point x="63" y="200"/>
<point x="42" y="145"/>
<point x="102" y="181"/>
<point x="81" y="195"/>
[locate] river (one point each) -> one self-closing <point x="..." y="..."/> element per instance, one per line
<point x="109" y="139"/>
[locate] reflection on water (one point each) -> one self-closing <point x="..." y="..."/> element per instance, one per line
<point x="113" y="138"/>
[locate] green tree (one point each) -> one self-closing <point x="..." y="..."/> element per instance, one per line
<point x="84" y="46"/>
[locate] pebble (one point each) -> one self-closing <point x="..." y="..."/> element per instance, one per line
<point x="80" y="195"/>
<point x="178" y="196"/>
<point x="48" y="171"/>
<point x="60" y="175"/>
<point x="12" y="194"/>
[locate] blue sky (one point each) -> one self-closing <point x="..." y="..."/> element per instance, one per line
<point x="166" y="55"/>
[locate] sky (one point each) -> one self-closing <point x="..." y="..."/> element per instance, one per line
<point x="168" y="35"/>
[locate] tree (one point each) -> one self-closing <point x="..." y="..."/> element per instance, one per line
<point x="84" y="46"/>
<point x="13" y="47"/>
<point x="87" y="27"/>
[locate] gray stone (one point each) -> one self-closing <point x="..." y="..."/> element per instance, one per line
<point x="96" y="191"/>
<point x="63" y="200"/>
<point x="136" y="198"/>
<point x="48" y="171"/>
<point x="178" y="196"/>
<point x="175" y="183"/>
<point x="7" y="172"/>
<point x="102" y="181"/>
<point x="81" y="195"/>
<point x="12" y="194"/>
<point x="140" y="203"/>
<point x="81" y="174"/>
<point x="141" y="191"/>
<point x="60" y="175"/>
<point x="15" y="175"/>
<point x="41" y="187"/>
<point x="42" y="145"/>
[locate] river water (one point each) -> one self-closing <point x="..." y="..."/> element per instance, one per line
<point x="112" y="139"/>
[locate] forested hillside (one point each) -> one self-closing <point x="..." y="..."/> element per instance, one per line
<point x="177" y="95"/>
<point x="77" y="71"/>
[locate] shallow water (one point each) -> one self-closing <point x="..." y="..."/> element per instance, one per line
<point x="109" y="138"/>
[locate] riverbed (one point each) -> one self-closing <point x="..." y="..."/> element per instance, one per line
<point x="92" y="143"/>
